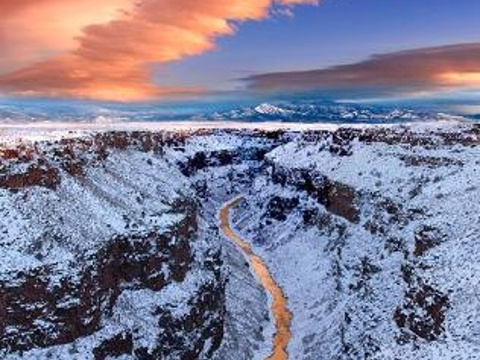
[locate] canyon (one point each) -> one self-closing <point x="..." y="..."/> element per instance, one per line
<point x="112" y="244"/>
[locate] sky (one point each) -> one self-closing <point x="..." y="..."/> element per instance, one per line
<point x="130" y="50"/>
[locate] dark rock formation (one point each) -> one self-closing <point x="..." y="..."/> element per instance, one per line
<point x="279" y="207"/>
<point x="34" y="176"/>
<point x="423" y="313"/>
<point x="122" y="344"/>
<point x="427" y="238"/>
<point x="75" y="306"/>
<point x="339" y="199"/>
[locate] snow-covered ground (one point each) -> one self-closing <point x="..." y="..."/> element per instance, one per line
<point x="346" y="283"/>
<point x="372" y="232"/>
<point x="399" y="282"/>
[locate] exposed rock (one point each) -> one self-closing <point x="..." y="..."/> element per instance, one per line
<point x="279" y="208"/>
<point x="423" y="313"/>
<point x="75" y="307"/>
<point x="337" y="198"/>
<point x="426" y="238"/>
<point x="122" y="344"/>
<point x="34" y="176"/>
<point x="429" y="161"/>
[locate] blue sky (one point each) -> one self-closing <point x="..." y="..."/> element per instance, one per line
<point x="130" y="50"/>
<point x="335" y="32"/>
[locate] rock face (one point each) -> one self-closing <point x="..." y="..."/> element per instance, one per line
<point x="111" y="248"/>
<point x="338" y="198"/>
<point x="88" y="232"/>
<point x="34" y="176"/>
<point x="353" y="223"/>
<point x="76" y="305"/>
<point x="423" y="313"/>
<point x="122" y="344"/>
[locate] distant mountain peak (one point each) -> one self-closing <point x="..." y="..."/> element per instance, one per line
<point x="311" y="112"/>
<point x="269" y="109"/>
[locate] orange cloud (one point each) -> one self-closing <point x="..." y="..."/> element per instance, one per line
<point x="446" y="68"/>
<point x="33" y="30"/>
<point x="103" y="49"/>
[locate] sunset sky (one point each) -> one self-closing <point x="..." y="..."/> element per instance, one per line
<point x="148" y="49"/>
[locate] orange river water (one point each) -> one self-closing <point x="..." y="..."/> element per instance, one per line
<point x="279" y="303"/>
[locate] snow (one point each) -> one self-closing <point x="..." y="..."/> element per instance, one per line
<point x="317" y="267"/>
<point x="336" y="303"/>
<point x="269" y="109"/>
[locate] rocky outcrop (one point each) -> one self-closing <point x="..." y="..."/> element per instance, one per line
<point x="185" y="338"/>
<point x="426" y="238"/>
<point x="203" y="159"/>
<point x="72" y="302"/>
<point x="339" y="199"/>
<point x="279" y="208"/>
<point x="121" y="344"/>
<point x="423" y="313"/>
<point x="36" y="312"/>
<point x="34" y="176"/>
<point x="39" y="164"/>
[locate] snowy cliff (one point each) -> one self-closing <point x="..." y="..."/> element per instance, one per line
<point x="112" y="250"/>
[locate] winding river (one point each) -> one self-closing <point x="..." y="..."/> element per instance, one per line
<point x="279" y="303"/>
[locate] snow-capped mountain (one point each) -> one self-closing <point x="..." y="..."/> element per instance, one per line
<point x="285" y="111"/>
<point x="323" y="112"/>
<point x="269" y="109"/>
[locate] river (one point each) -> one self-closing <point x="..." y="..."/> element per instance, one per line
<point x="279" y="303"/>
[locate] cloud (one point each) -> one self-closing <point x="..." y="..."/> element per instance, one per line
<point x="436" y="69"/>
<point x="103" y="49"/>
<point x="35" y="30"/>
